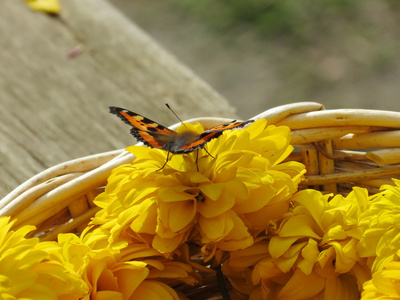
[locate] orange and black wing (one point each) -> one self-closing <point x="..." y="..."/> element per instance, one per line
<point x="145" y="130"/>
<point x="232" y="125"/>
<point x="212" y="133"/>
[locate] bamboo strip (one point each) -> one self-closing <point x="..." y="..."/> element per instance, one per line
<point x="83" y="164"/>
<point x="77" y="208"/>
<point x="276" y="114"/>
<point x="27" y="197"/>
<point x="310" y="159"/>
<point x="350" y="155"/>
<point x="309" y="135"/>
<point x="351" y="176"/>
<point x="350" y="166"/>
<point x="327" y="165"/>
<point x="377" y="182"/>
<point x="385" y="157"/>
<point x="54" y="221"/>
<point x="297" y="156"/>
<point x="91" y="195"/>
<point x="379" y="139"/>
<point x="62" y="196"/>
<point x="33" y="215"/>
<point x="342" y="117"/>
<point x="80" y="221"/>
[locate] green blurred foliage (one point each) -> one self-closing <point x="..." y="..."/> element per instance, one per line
<point x="331" y="49"/>
<point x="292" y="19"/>
<point x="345" y="28"/>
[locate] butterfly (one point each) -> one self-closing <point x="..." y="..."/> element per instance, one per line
<point x="157" y="136"/>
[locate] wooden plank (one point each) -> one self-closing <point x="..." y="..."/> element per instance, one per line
<point x="55" y="108"/>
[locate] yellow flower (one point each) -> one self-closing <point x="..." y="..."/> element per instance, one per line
<point x="123" y="271"/>
<point x="324" y="249"/>
<point x="318" y="240"/>
<point x="47" y="6"/>
<point x="380" y="241"/>
<point x="29" y="271"/>
<point x="255" y="275"/>
<point x="385" y="283"/>
<point x="231" y="197"/>
<point x="240" y="265"/>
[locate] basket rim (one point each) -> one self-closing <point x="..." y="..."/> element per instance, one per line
<point x="57" y="187"/>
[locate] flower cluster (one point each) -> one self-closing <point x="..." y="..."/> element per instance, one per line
<point x="138" y="246"/>
<point x="220" y="207"/>
<point x="29" y="270"/>
<point x="311" y="251"/>
<point x="121" y="272"/>
<point x="385" y="283"/>
<point x="163" y="225"/>
<point x="325" y="247"/>
<point x="380" y="243"/>
<point x="80" y="268"/>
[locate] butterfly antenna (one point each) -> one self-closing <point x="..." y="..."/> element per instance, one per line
<point x="166" y="104"/>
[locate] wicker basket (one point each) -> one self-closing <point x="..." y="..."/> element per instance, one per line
<point x="328" y="142"/>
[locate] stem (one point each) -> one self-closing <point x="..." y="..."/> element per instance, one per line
<point x="221" y="284"/>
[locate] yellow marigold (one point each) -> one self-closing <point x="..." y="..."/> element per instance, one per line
<point x="380" y="224"/>
<point x="385" y="283"/>
<point x="317" y="242"/>
<point x="29" y="271"/>
<point x="232" y="195"/>
<point x="239" y="269"/>
<point x="123" y="271"/>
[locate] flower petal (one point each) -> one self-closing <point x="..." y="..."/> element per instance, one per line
<point x="215" y="228"/>
<point x="301" y="286"/>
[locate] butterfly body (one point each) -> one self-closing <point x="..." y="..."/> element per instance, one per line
<point x="158" y="136"/>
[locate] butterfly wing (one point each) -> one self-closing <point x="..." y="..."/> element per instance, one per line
<point x="145" y="130"/>
<point x="203" y="138"/>
<point x="158" y="136"/>
<point x="232" y="125"/>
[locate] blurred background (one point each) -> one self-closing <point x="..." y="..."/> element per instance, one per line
<point x="264" y="53"/>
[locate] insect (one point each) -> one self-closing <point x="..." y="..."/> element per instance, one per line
<point x="158" y="136"/>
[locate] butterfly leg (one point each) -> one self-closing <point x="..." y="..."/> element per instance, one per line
<point x="197" y="159"/>
<point x="164" y="163"/>
<point x="208" y="152"/>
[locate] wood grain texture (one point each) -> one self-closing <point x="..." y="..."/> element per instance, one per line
<point x="55" y="108"/>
